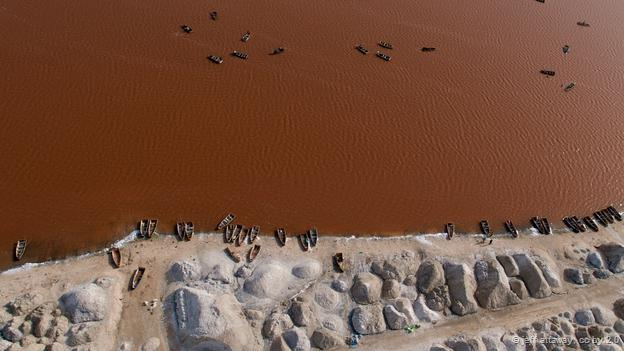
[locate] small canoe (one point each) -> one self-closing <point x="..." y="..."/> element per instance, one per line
<point x="20" y="248"/>
<point x="253" y="252"/>
<point x="427" y="49"/>
<point x="383" y="56"/>
<point x="590" y="223"/>
<point x="313" y="236"/>
<point x="511" y="228"/>
<point x="228" y="232"/>
<point x="385" y="45"/>
<point x="606" y="214"/>
<point x="238" y="230"/>
<point x="280" y="234"/>
<point x="151" y="228"/>
<point x="547" y="72"/>
<point x="362" y="49"/>
<point x="214" y="15"/>
<point x="226" y="221"/>
<point x="565" y="49"/>
<point x="542" y="1"/>
<point x="116" y="257"/>
<point x="253" y="233"/>
<point x="233" y="254"/>
<point x="186" y="28"/>
<point x="341" y="264"/>
<point x="180" y="230"/>
<point x="614" y="213"/>
<point x="582" y="24"/>
<point x="600" y="219"/>
<point x="579" y="224"/>
<point x="537" y="224"/>
<point x="485" y="228"/>
<point x="450" y="230"/>
<point x="240" y="55"/>
<point x="245" y="37"/>
<point x="189" y="230"/>
<point x="136" y="277"/>
<point x="570" y="223"/>
<point x="546" y="226"/>
<point x="569" y="87"/>
<point x="278" y="51"/>
<point x="305" y="242"/>
<point x="216" y="59"/>
<point x="143" y="228"/>
<point x="242" y="236"/>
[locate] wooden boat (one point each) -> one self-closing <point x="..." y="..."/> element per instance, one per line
<point x="614" y="213"/>
<point x="189" y="230"/>
<point x="450" y="230"/>
<point x="280" y="234"/>
<point x="485" y="228"/>
<point x="569" y="86"/>
<point x="240" y="55"/>
<point x="427" y="49"/>
<point x="305" y="242"/>
<point x="542" y="1"/>
<point x="579" y="224"/>
<point x="385" y="45"/>
<point x="565" y="49"/>
<point x="151" y="228"/>
<point x="143" y="228"/>
<point x="20" y="248"/>
<point x="245" y="37"/>
<point x="606" y="214"/>
<point x="570" y="223"/>
<point x="228" y="232"/>
<point x="546" y="226"/>
<point x="582" y="24"/>
<point x="383" y="56"/>
<point x="362" y="49"/>
<point x="216" y="59"/>
<point x="278" y="51"/>
<point x="340" y="262"/>
<point x="214" y="15"/>
<point x="253" y="233"/>
<point x="136" y="277"/>
<point x="180" y="230"/>
<point x="600" y="220"/>
<point x="116" y="257"/>
<point x="253" y="252"/>
<point x="547" y="72"/>
<point x="238" y="229"/>
<point x="233" y="254"/>
<point x="242" y="236"/>
<point x="537" y="224"/>
<point x="590" y="223"/>
<point x="313" y="236"/>
<point x="226" y="221"/>
<point x="511" y="228"/>
<point x="186" y="28"/>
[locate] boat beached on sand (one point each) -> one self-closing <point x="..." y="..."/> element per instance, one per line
<point x="511" y="228"/>
<point x="136" y="277"/>
<point x="238" y="230"/>
<point x="590" y="223"/>
<point x="20" y="249"/>
<point x="305" y="242"/>
<point x="189" y="230"/>
<point x="253" y="252"/>
<point x="143" y="228"/>
<point x="233" y="254"/>
<point x="151" y="228"/>
<point x="242" y="236"/>
<point x="485" y="228"/>
<point x="280" y="233"/>
<point x="116" y="257"/>
<point x="450" y="230"/>
<point x="253" y="233"/>
<point x="180" y="230"/>
<point x="312" y="237"/>
<point x="341" y="264"/>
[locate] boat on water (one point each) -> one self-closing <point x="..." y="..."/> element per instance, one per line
<point x="245" y="37"/>
<point x="582" y="24"/>
<point x="180" y="230"/>
<point x="579" y="224"/>
<point x="570" y="223"/>
<point x="427" y="49"/>
<point x="569" y="86"/>
<point x="278" y="51"/>
<point x="20" y="249"/>
<point x="542" y="1"/>
<point x="590" y="223"/>
<point x="383" y="56"/>
<point x="151" y="228"/>
<point x="305" y="242"/>
<point x="599" y="218"/>
<point x="216" y="59"/>
<point x="547" y="72"/>
<point x="341" y="264"/>
<point x="228" y="231"/>
<point x="313" y="236"/>
<point x="385" y="45"/>
<point x="362" y="49"/>
<point x="242" y="236"/>
<point x="226" y="221"/>
<point x="143" y="228"/>
<point x="280" y="234"/>
<point x="511" y="228"/>
<point x="233" y="254"/>
<point x="485" y="228"/>
<point x="136" y="277"/>
<point x="546" y="226"/>
<point x="186" y="28"/>
<point x="253" y="233"/>
<point x="614" y="213"/>
<point x="116" y="257"/>
<point x="253" y="252"/>
<point x="238" y="230"/>
<point x="537" y="224"/>
<point x="214" y="15"/>
<point x="189" y="230"/>
<point x="565" y="49"/>
<point x="240" y="55"/>
<point x="450" y="230"/>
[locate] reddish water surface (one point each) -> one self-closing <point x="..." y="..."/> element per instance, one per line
<point x="110" y="113"/>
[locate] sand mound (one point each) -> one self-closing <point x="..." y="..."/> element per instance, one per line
<point x="85" y="303"/>
<point x="184" y="271"/>
<point x="307" y="269"/>
<point x="268" y="280"/>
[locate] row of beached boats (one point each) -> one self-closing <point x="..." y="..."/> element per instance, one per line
<point x="386" y="45"/>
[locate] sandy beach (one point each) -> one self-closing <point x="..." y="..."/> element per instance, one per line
<point x="463" y="294"/>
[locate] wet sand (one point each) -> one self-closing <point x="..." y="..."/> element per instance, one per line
<point x="111" y="113"/>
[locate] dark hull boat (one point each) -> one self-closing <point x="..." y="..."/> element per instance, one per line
<point x="536" y="222"/>
<point x="565" y="49"/>
<point x="186" y="28"/>
<point x="362" y="49"/>
<point x="143" y="228"/>
<point x="253" y="233"/>
<point x="278" y="51"/>
<point x="450" y="230"/>
<point x="116" y="257"/>
<point x="245" y="38"/>
<point x="570" y="223"/>
<point x="189" y="230"/>
<point x="226" y="221"/>
<point x="313" y="237"/>
<point x="253" y="252"/>
<point x="582" y="24"/>
<point x="240" y="55"/>
<point x="216" y="59"/>
<point x="214" y="15"/>
<point x="600" y="220"/>
<point x="579" y="224"/>
<point x="305" y="242"/>
<point x="511" y="228"/>
<point x="607" y="215"/>
<point x="427" y="49"/>
<point x="136" y="277"/>
<point x="590" y="223"/>
<point x="280" y="233"/>
<point x="383" y="56"/>
<point x="546" y="226"/>
<point x="180" y="230"/>
<point x="569" y="87"/>
<point x="340" y="262"/>
<point x="242" y="236"/>
<point x="385" y="45"/>
<point x="20" y="249"/>
<point x="151" y="228"/>
<point x="614" y="213"/>
<point x="228" y="232"/>
<point x="238" y="230"/>
<point x="233" y="254"/>
<point x="547" y="72"/>
<point x="485" y="228"/>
